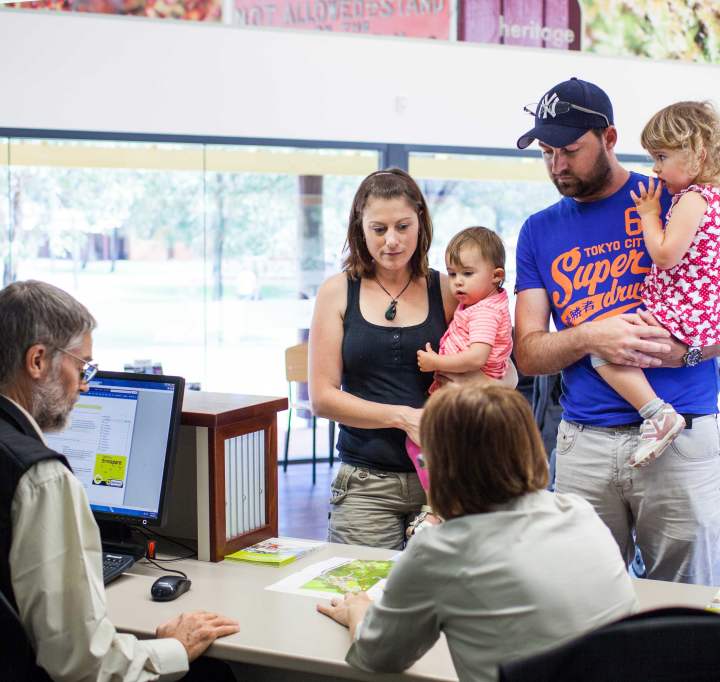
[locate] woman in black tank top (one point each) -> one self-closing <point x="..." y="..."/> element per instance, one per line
<point x="369" y="322"/>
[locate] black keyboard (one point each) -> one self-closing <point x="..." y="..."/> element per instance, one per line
<point x="115" y="564"/>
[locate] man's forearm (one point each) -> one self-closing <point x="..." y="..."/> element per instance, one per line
<point x="542" y="352"/>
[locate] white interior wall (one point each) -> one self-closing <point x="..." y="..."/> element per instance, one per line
<point x="84" y="72"/>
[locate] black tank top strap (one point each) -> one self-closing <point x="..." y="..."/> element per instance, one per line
<point x="435" y="300"/>
<point x="353" y="297"/>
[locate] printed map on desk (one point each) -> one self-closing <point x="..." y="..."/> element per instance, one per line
<point x="338" y="575"/>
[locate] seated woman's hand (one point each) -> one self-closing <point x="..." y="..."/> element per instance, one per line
<point x="348" y="610"/>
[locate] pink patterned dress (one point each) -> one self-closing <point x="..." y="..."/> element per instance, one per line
<point x="685" y="299"/>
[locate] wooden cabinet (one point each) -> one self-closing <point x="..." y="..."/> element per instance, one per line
<point x="224" y="488"/>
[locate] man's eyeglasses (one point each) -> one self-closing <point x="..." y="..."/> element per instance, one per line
<point x="88" y="369"/>
<point x="559" y="107"/>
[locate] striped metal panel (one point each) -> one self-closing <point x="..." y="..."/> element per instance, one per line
<point x="244" y="484"/>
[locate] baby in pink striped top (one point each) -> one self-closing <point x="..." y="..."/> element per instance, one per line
<point x="479" y="337"/>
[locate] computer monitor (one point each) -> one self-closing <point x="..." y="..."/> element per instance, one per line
<point x="120" y="441"/>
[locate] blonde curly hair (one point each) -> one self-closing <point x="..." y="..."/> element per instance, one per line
<point x="691" y="127"/>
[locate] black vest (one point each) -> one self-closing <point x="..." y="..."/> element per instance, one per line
<point x="20" y="448"/>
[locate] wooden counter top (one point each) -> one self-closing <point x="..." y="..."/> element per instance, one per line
<point x="201" y="408"/>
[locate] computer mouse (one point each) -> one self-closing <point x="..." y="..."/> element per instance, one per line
<point x="169" y="587"/>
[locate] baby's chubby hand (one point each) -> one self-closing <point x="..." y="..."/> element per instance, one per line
<point x="648" y="201"/>
<point x="427" y="359"/>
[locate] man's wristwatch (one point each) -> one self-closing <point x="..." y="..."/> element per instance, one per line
<point x="693" y="356"/>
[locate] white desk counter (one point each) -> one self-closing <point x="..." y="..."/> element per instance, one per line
<point x="277" y="630"/>
<point x="655" y="594"/>
<point x="280" y="630"/>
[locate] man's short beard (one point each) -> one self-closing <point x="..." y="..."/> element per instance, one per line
<point x="51" y="405"/>
<point x="591" y="186"/>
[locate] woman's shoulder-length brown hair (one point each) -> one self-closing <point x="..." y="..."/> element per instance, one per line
<point x="482" y="449"/>
<point x="386" y="184"/>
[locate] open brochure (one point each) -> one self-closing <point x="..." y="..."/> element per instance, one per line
<point x="335" y="576"/>
<point x="275" y="551"/>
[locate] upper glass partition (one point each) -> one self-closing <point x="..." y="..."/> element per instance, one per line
<point x="205" y="259"/>
<point x="276" y="220"/>
<point x="120" y="226"/>
<point x="7" y="269"/>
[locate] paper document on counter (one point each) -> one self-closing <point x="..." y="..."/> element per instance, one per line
<point x="338" y="575"/>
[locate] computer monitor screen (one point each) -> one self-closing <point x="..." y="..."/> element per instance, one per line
<point x="120" y="441"/>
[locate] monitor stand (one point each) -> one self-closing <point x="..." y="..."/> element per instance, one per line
<point x="117" y="537"/>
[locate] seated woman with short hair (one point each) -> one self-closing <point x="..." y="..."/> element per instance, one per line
<point x="512" y="570"/>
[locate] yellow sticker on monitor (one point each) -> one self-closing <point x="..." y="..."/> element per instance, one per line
<point x="110" y="470"/>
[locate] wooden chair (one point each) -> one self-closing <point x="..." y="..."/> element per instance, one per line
<point x="296" y="371"/>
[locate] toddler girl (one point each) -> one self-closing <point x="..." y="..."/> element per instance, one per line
<point x="479" y="337"/>
<point x="682" y="288"/>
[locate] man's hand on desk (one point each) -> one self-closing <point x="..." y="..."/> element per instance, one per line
<point x="348" y="611"/>
<point x="197" y="631"/>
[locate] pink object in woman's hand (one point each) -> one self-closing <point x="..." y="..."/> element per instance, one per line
<point x="415" y="454"/>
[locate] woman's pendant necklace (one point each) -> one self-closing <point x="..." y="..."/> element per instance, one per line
<point x="392" y="308"/>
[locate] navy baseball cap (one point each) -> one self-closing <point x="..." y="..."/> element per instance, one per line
<point x="566" y="112"/>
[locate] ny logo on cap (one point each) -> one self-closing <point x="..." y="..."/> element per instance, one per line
<point x="547" y="106"/>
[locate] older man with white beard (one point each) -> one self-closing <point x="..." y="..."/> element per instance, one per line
<point x="50" y="552"/>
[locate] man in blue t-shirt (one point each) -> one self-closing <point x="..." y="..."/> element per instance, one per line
<point x="583" y="260"/>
